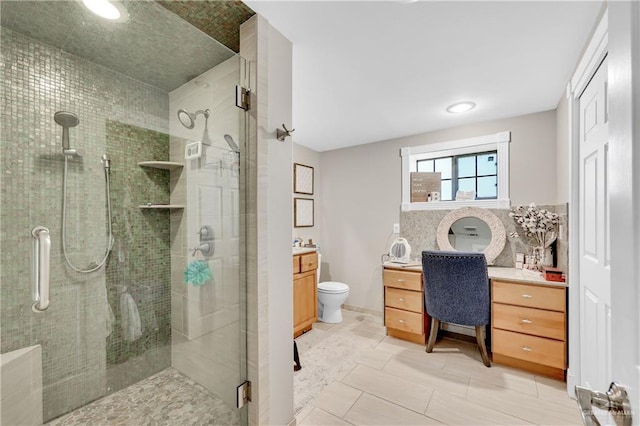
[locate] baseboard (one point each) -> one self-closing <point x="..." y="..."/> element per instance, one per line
<point x="362" y="310"/>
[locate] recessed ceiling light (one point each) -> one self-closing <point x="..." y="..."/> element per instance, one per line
<point x="461" y="107"/>
<point x="106" y="9"/>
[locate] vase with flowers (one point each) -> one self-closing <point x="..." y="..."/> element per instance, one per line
<point x="540" y="230"/>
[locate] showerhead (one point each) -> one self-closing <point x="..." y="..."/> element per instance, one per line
<point x="232" y="144"/>
<point x="66" y="120"/>
<point x="188" y="119"/>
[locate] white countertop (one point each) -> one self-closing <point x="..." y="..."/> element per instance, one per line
<point x="303" y="250"/>
<point x="495" y="272"/>
<point x="521" y="275"/>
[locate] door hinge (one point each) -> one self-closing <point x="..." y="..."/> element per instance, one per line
<point x="242" y="98"/>
<point x="243" y="393"/>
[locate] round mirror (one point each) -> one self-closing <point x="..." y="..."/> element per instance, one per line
<point x="186" y="119"/>
<point x="469" y="234"/>
<point x="472" y="229"/>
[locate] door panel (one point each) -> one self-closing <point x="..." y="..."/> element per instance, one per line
<point x="594" y="260"/>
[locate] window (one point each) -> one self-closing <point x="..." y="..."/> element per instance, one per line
<point x="479" y="164"/>
<point x="469" y="172"/>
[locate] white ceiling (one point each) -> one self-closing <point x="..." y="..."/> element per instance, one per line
<point x="367" y="71"/>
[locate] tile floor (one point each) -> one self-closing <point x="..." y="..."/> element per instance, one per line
<point x="394" y="382"/>
<point x="166" y="398"/>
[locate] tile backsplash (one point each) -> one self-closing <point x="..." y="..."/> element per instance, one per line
<point x="420" y="230"/>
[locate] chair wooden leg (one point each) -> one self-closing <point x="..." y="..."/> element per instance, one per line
<point x="483" y="347"/>
<point x="433" y="334"/>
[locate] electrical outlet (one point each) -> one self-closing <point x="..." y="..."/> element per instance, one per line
<point x="396" y="228"/>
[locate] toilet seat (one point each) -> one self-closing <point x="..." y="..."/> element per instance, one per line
<point x="333" y="287"/>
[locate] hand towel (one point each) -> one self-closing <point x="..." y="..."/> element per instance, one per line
<point x="111" y="319"/>
<point x="130" y="318"/>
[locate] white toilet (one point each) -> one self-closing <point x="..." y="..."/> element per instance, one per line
<point x="331" y="296"/>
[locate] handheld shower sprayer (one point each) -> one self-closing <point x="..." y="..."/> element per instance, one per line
<point x="232" y="144"/>
<point x="66" y="120"/>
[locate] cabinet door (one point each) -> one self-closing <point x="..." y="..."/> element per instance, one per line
<point x="304" y="299"/>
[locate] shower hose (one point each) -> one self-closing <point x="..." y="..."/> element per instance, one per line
<point x="64" y="222"/>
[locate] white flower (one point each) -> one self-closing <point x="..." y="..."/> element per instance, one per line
<point x="537" y="224"/>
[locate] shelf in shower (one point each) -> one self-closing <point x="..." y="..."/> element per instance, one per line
<point x="166" y="165"/>
<point x="161" y="206"/>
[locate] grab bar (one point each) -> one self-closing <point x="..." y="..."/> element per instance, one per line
<point x="40" y="268"/>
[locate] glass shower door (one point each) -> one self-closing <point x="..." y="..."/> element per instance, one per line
<point x="160" y="326"/>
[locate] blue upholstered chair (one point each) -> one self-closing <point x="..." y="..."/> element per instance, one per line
<point x="456" y="290"/>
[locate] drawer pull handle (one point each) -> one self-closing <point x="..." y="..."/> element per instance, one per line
<point x="527" y="296"/>
<point x="401" y="299"/>
<point x="526" y="321"/>
<point x="400" y="280"/>
<point x="527" y="349"/>
<point x="401" y="321"/>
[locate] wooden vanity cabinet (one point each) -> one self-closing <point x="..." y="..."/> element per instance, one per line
<point x="404" y="314"/>
<point x="529" y="327"/>
<point x="305" y="305"/>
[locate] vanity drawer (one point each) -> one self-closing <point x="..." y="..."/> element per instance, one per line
<point x="528" y="320"/>
<point x="410" y="322"/>
<point x="529" y="348"/>
<point x="296" y="264"/>
<point x="308" y="262"/>
<point x="403" y="299"/>
<point x="402" y="279"/>
<point x="532" y="296"/>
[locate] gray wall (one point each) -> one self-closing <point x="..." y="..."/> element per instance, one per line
<point x="361" y="190"/>
<point x="309" y="157"/>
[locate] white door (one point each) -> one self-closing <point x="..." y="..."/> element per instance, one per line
<point x="594" y="247"/>
<point x="608" y="163"/>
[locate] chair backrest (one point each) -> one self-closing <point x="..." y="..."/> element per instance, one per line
<point x="456" y="287"/>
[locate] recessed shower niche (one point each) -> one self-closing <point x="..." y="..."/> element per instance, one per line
<point x="171" y="166"/>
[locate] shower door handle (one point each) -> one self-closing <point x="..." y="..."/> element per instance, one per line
<point x="40" y="268"/>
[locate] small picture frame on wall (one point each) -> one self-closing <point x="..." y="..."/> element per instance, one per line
<point x="302" y="179"/>
<point x="302" y="212"/>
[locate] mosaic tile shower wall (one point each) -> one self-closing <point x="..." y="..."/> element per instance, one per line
<point x="36" y="81"/>
<point x="140" y="267"/>
<point x="220" y="19"/>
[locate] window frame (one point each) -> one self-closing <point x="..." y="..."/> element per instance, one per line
<point x="498" y="142"/>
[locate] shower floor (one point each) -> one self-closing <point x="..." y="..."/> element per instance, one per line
<point x="166" y="398"/>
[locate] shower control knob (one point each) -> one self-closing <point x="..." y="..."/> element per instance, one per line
<point x="206" y="233"/>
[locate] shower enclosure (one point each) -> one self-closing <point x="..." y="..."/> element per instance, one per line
<point x="94" y="149"/>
